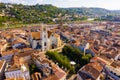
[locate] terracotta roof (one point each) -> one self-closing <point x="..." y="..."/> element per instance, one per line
<point x="67" y="33"/>
<point x="77" y="43"/>
<point x="36" y="35"/>
<point x="4" y="53"/>
<point x="17" y="31"/>
<point x="96" y="65"/>
<point x="23" y="54"/>
<point x="16" y="42"/>
<point x="59" y="73"/>
<point x="116" y="64"/>
<point x="15" y="79"/>
<point x="94" y="69"/>
<point x="106" y="60"/>
<point x="45" y="61"/>
<point x="93" y="72"/>
<point x="96" y="59"/>
<point x="27" y="49"/>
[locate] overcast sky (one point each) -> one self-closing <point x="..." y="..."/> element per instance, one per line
<point x="108" y="4"/>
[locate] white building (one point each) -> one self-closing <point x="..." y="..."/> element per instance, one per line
<point x="44" y="40"/>
<point x="14" y="72"/>
<point x="17" y="70"/>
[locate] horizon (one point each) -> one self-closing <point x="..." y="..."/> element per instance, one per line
<point x="58" y="6"/>
<point x="108" y="4"/>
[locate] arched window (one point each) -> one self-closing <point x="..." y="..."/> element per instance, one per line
<point x="45" y="44"/>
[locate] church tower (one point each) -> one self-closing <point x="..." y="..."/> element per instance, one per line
<point x="44" y="38"/>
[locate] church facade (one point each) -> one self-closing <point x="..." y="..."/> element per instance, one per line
<point x="45" y="39"/>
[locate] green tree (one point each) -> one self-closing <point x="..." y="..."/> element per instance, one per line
<point x="61" y="60"/>
<point x="76" y="55"/>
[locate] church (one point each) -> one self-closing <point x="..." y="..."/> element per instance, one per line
<point x="44" y="39"/>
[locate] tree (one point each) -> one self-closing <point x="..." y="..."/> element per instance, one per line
<point x="84" y="18"/>
<point x="72" y="53"/>
<point x="62" y="60"/>
<point x="84" y="60"/>
<point x="33" y="68"/>
<point x="76" y="55"/>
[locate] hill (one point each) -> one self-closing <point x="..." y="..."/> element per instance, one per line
<point x="92" y="12"/>
<point x="27" y="14"/>
<point x="16" y="14"/>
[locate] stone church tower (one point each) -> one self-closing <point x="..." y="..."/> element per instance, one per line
<point x="44" y="38"/>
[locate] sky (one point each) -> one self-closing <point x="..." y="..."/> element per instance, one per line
<point x="108" y="4"/>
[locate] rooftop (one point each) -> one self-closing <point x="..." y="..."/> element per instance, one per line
<point x="12" y="51"/>
<point x="15" y="79"/>
<point x="36" y="35"/>
<point x="58" y="73"/>
<point x="96" y="65"/>
<point x="94" y="69"/>
<point x="12" y="68"/>
<point x="116" y="64"/>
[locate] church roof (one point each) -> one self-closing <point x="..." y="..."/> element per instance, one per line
<point x="36" y="35"/>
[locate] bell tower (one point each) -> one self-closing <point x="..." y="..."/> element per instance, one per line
<point x="44" y="38"/>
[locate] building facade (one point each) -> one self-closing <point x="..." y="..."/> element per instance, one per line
<point x="44" y="40"/>
<point x="21" y="72"/>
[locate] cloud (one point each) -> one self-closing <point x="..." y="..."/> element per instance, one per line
<point x="39" y="1"/>
<point x="26" y="2"/>
<point x="108" y="4"/>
